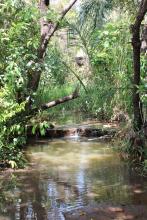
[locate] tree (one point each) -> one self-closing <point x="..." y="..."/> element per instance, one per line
<point x="136" y="43"/>
<point x="48" y="28"/>
<point x="21" y="70"/>
<point x="138" y="10"/>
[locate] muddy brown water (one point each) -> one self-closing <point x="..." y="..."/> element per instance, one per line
<point x="68" y="175"/>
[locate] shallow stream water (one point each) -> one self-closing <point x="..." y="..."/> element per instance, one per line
<point x="67" y="174"/>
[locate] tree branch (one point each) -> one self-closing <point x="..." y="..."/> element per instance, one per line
<point x="48" y="28"/>
<point x="51" y="104"/>
<point x="54" y="29"/>
<point x="141" y="13"/>
<point x="28" y="113"/>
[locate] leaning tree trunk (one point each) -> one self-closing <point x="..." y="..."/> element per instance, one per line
<point x="136" y="43"/>
<point x="48" y="28"/>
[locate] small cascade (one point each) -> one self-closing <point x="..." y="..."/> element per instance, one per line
<point x="75" y="135"/>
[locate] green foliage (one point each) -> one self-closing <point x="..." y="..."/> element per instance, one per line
<point x="12" y="137"/>
<point x="18" y="44"/>
<point x="110" y="79"/>
<point x="55" y="72"/>
<point x="41" y="127"/>
<point x="111" y="61"/>
<point x="50" y="93"/>
<point x="93" y="12"/>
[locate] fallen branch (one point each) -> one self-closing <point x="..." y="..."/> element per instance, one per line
<point x="60" y="101"/>
<point x="28" y="113"/>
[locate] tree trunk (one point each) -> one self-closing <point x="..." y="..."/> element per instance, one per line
<point x="48" y="28"/>
<point x="136" y="65"/>
<point x="136" y="43"/>
<point x="47" y="31"/>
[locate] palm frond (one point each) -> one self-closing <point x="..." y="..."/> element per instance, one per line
<point x="93" y="12"/>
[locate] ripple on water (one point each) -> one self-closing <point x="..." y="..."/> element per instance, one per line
<point x="67" y="176"/>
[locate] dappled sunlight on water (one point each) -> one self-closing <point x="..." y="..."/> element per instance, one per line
<point x="67" y="175"/>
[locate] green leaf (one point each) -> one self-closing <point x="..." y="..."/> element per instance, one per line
<point x="13" y="164"/>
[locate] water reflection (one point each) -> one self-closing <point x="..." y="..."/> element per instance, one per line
<point x="68" y="175"/>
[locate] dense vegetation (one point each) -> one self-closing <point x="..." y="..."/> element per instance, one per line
<point x="91" y="52"/>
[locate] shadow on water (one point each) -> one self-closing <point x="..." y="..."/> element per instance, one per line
<point x="66" y="176"/>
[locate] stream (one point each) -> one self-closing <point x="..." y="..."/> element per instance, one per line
<point x="67" y="175"/>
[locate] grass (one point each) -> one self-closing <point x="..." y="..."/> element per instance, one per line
<point x="94" y="102"/>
